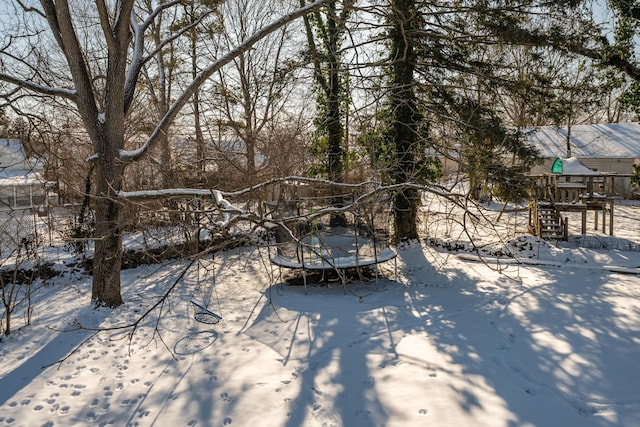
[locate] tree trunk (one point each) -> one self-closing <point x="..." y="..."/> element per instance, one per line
<point x="200" y="147"/>
<point x="335" y="129"/>
<point x="7" y="318"/>
<point x="405" y="117"/>
<point x="252" y="171"/>
<point x="165" y="161"/>
<point x="107" y="257"/>
<point x="335" y="134"/>
<point x="405" y="211"/>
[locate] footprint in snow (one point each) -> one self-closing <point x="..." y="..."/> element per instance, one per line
<point x="363" y="412"/>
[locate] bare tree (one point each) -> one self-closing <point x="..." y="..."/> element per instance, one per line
<point x="104" y="74"/>
<point x="256" y="88"/>
<point x="175" y="64"/>
<point x="19" y="236"/>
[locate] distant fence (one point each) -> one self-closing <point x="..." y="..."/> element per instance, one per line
<point x="605" y="242"/>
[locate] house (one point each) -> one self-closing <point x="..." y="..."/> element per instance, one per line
<point x="21" y="182"/>
<point x="609" y="148"/>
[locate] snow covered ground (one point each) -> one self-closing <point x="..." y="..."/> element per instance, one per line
<point x="440" y="340"/>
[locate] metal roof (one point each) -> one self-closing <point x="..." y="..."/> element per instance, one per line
<point x="610" y="140"/>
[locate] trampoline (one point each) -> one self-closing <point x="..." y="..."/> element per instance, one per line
<point x="320" y="237"/>
<point x="323" y="251"/>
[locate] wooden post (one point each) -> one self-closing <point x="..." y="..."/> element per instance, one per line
<point x="611" y="190"/>
<point x="611" y="217"/>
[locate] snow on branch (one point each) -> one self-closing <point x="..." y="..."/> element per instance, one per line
<point x="138" y="59"/>
<point x="292" y="180"/>
<point x="34" y="87"/>
<point x="363" y="193"/>
<point x="230" y="212"/>
<point x="186" y="192"/>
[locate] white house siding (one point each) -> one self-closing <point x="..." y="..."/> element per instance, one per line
<point x="612" y="165"/>
<point x="620" y="166"/>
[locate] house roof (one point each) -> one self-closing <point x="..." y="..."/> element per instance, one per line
<point x="12" y="157"/>
<point x="15" y="167"/>
<point x="610" y="140"/>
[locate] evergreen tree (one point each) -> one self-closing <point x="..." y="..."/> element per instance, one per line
<point x="622" y="53"/>
<point x="444" y="73"/>
<point x="405" y="137"/>
<point x="325" y="30"/>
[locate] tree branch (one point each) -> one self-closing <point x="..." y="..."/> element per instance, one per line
<point x="60" y="22"/>
<point x="138" y="59"/>
<point x="175" y="108"/>
<point x="42" y="89"/>
<point x="105" y="22"/>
